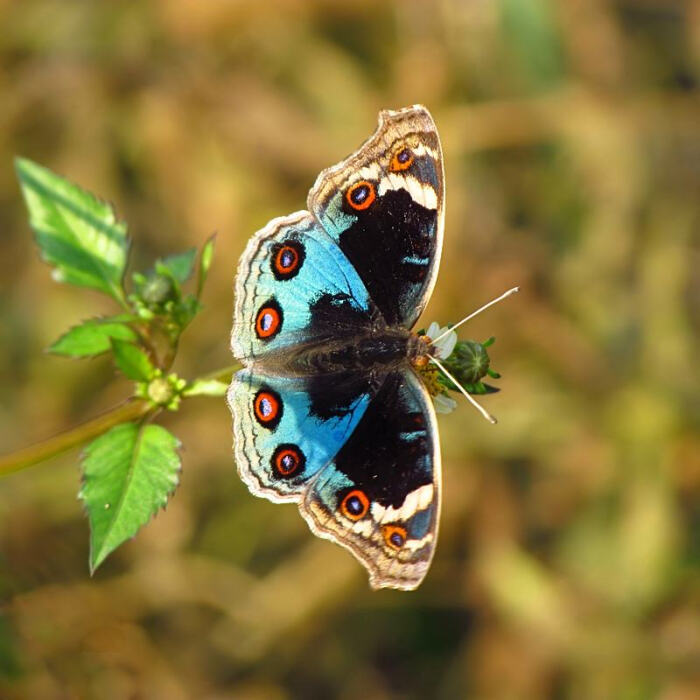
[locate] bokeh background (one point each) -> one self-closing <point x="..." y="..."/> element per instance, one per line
<point x="568" y="559"/>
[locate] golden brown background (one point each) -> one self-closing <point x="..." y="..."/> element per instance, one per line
<point x="568" y="559"/>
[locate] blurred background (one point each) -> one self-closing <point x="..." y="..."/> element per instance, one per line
<point x="568" y="558"/>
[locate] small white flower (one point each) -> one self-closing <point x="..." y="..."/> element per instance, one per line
<point x="445" y="345"/>
<point x="444" y="404"/>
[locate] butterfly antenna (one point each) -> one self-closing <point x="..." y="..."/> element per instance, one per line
<point x="477" y="406"/>
<point x="478" y="311"/>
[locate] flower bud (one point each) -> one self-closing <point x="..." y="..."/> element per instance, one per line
<point x="157" y="289"/>
<point x="469" y="361"/>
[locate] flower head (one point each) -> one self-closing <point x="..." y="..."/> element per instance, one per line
<point x="444" y="403"/>
<point x="446" y="344"/>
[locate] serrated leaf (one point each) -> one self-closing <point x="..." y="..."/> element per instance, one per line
<point x="205" y="260"/>
<point x="206" y="387"/>
<point x="179" y="266"/>
<point x="132" y="361"/>
<point x="76" y="232"/>
<point x="94" y="336"/>
<point x="128" y="475"/>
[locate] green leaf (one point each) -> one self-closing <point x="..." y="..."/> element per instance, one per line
<point x="93" y="337"/>
<point x="206" y="387"/>
<point x="76" y="232"/>
<point x="128" y="474"/>
<point x="205" y="260"/>
<point x="132" y="361"/>
<point x="183" y="312"/>
<point x="179" y="266"/>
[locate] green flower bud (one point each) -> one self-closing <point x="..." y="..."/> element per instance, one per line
<point x="469" y="361"/>
<point x="157" y="289"/>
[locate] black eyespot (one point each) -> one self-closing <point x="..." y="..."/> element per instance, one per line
<point x="287" y="460"/>
<point x="361" y="195"/>
<point x="268" y="320"/>
<point x="268" y="408"/>
<point x="401" y="160"/>
<point x="394" y="536"/>
<point x="355" y="505"/>
<point x="397" y="539"/>
<point x="287" y="259"/>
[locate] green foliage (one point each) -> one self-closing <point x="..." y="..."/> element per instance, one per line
<point x="128" y="474"/>
<point x="93" y="337"/>
<point x="206" y="387"/>
<point x="179" y="266"/>
<point x="76" y="233"/>
<point x="158" y="295"/>
<point x="129" y="471"/>
<point x="205" y="260"/>
<point x="132" y="361"/>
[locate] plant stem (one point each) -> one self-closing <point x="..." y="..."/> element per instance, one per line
<point x="130" y="410"/>
<point x="224" y="374"/>
<point x="28" y="456"/>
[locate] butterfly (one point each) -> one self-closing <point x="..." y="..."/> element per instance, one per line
<point x="331" y="410"/>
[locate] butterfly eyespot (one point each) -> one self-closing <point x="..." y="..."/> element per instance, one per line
<point x="361" y="195"/>
<point x="287" y="260"/>
<point x="287" y="460"/>
<point x="267" y="407"/>
<point x="401" y="160"/>
<point x="268" y="321"/>
<point x="394" y="536"/>
<point x="355" y="505"/>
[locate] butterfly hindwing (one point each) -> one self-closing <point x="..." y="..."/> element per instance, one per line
<point x="384" y="207"/>
<point x="287" y="429"/>
<point x="379" y="497"/>
<point x="295" y="286"/>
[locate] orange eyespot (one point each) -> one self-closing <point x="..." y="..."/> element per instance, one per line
<point x="268" y="321"/>
<point x="394" y="536"/>
<point x="287" y="260"/>
<point x="268" y="408"/>
<point x="355" y="505"/>
<point x="401" y="160"/>
<point x="361" y="195"/>
<point x="287" y="460"/>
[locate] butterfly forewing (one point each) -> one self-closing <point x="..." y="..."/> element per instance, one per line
<point x="295" y="286"/>
<point x="384" y="206"/>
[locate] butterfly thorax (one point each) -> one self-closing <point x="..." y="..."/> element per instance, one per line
<point x="376" y="349"/>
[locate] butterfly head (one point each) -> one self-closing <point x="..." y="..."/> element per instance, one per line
<point x="449" y="364"/>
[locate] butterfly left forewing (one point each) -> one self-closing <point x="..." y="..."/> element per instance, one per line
<point x="295" y="287"/>
<point x="384" y="205"/>
<point x="380" y="496"/>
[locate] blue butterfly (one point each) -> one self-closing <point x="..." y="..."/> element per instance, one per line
<point x="330" y="411"/>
